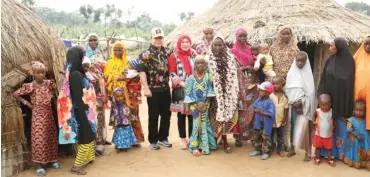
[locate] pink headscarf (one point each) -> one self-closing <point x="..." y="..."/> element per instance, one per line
<point x="35" y="65"/>
<point x="242" y="51"/>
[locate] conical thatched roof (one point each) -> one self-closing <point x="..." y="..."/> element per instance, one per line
<point x="310" y="20"/>
<point x="25" y="37"/>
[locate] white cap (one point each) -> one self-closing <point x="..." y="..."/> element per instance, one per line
<point x="157" y="32"/>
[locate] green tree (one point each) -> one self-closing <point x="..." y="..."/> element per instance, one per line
<point x="182" y="16"/>
<point x="359" y="7"/>
<point x="30" y="4"/>
<point x="186" y="16"/>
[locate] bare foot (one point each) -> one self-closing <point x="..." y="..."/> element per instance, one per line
<point x="196" y="153"/>
<point x="281" y="154"/>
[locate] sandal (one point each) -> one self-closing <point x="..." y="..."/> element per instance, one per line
<point x="331" y="163"/>
<point x="227" y="149"/>
<point x="40" y="171"/>
<point x="137" y="145"/>
<point x="317" y="162"/>
<point x="55" y="165"/>
<point x="196" y="153"/>
<point x="78" y="170"/>
<point x="291" y="154"/>
<point x="107" y="143"/>
<point x="238" y="143"/>
<point x="306" y="159"/>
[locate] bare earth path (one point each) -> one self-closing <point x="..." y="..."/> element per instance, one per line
<point x="173" y="162"/>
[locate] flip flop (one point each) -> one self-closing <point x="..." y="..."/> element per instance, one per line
<point x="331" y="163"/>
<point x="40" y="171"/>
<point x="317" y="162"/>
<point x="291" y="154"/>
<point x="55" y="165"/>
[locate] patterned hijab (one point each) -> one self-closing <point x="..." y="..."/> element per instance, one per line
<point x="242" y="51"/>
<point x="283" y="53"/>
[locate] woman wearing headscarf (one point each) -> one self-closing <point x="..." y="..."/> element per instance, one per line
<point x="205" y="44"/>
<point x="337" y="80"/>
<point x="300" y="90"/>
<point x="97" y="64"/>
<point x="77" y="111"/>
<point x="223" y="68"/>
<point x="115" y="77"/>
<point x="283" y="51"/>
<point x="180" y="65"/>
<point x="93" y="49"/>
<point x="362" y="79"/>
<point x="242" y="52"/>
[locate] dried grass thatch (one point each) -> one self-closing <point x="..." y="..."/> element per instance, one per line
<point x="310" y="20"/>
<point x="25" y="37"/>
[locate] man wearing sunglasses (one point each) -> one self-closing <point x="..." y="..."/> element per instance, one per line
<point x="153" y="69"/>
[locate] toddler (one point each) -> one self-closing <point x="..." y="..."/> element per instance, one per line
<point x="268" y="68"/>
<point x="324" y="129"/>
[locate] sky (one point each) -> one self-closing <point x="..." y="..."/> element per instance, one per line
<point x="169" y="14"/>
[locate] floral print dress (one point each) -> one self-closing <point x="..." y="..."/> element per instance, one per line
<point x="44" y="145"/>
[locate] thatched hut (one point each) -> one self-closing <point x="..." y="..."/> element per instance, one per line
<point x="25" y="37"/>
<point x="313" y="22"/>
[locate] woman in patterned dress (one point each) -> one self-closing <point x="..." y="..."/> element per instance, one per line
<point x="180" y="66"/>
<point x="97" y="64"/>
<point x="223" y="67"/>
<point x="44" y="146"/>
<point x="77" y="114"/>
<point x="206" y="42"/>
<point x="284" y="51"/>
<point x="245" y="61"/>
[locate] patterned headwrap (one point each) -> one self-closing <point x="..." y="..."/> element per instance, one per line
<point x="35" y="65"/>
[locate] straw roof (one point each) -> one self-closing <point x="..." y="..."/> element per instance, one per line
<point x="310" y="20"/>
<point x="25" y="37"/>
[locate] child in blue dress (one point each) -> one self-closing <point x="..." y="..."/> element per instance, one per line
<point x="121" y="119"/>
<point x="358" y="143"/>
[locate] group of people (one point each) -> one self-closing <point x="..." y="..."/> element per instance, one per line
<point x="262" y="95"/>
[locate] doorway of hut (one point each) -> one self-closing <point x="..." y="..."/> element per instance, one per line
<point x="310" y="50"/>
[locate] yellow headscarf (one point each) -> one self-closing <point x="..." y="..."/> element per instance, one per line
<point x="114" y="69"/>
<point x="362" y="80"/>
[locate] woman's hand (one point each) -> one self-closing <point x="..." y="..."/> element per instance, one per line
<point x="182" y="84"/>
<point x="28" y="104"/>
<point x="147" y="92"/>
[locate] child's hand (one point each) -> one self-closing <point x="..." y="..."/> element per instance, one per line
<point x="284" y="122"/>
<point x="29" y="105"/>
<point x="359" y="137"/>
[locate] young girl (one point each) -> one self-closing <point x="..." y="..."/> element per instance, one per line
<point x="358" y="145"/>
<point x="324" y="129"/>
<point x="199" y="88"/>
<point x="300" y="90"/>
<point x="43" y="131"/>
<point x="264" y="112"/>
<point x="121" y="119"/>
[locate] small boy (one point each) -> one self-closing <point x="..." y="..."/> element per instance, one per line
<point x="281" y="115"/>
<point x="268" y="68"/>
<point x="324" y="129"/>
<point x="264" y="113"/>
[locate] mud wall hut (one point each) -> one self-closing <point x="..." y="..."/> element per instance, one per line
<point x="25" y="37"/>
<point x="313" y="22"/>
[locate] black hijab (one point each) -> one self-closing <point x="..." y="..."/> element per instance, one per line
<point x="75" y="56"/>
<point x="337" y="79"/>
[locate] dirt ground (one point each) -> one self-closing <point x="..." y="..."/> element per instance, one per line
<point x="174" y="162"/>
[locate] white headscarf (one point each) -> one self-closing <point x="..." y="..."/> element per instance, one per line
<point x="300" y="86"/>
